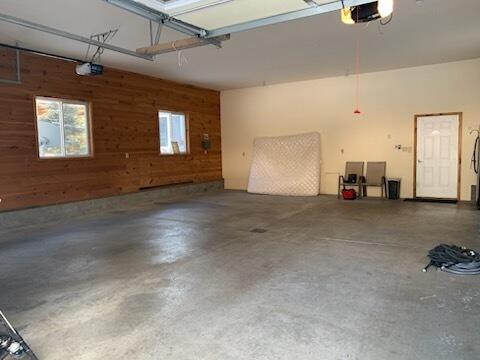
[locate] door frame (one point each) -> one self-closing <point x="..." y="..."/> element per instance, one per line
<point x="460" y="126"/>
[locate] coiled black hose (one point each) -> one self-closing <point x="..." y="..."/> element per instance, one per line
<point x="454" y="259"/>
<point x="475" y="152"/>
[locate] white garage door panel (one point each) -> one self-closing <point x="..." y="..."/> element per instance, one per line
<point x="287" y="165"/>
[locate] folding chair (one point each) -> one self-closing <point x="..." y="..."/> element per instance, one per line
<point x="351" y="168"/>
<point x="375" y="177"/>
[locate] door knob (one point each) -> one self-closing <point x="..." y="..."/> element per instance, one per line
<point x="419" y="161"/>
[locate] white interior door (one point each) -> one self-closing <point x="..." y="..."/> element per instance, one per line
<point x="437" y="156"/>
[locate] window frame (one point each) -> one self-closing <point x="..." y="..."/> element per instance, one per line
<point x="187" y="132"/>
<point x="88" y="107"/>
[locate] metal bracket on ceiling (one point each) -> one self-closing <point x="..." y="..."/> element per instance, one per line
<point x="103" y="38"/>
<point x="171" y="22"/>
<point x="155" y="40"/>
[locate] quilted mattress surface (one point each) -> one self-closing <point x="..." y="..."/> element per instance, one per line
<point x="286" y="165"/>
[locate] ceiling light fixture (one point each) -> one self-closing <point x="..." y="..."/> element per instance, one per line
<point x="367" y="12"/>
<point x="346" y="16"/>
<point x="385" y="8"/>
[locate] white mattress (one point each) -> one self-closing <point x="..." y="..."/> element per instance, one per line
<point x="286" y="165"/>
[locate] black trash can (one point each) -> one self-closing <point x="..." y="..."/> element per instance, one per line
<point x="394" y="189"/>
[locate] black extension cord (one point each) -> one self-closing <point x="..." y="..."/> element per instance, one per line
<point x="454" y="259"/>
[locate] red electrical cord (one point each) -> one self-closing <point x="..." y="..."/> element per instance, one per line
<point x="357" y="71"/>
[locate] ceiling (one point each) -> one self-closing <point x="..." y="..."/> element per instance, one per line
<point x="421" y="32"/>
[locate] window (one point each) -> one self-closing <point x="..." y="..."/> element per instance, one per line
<point x="63" y="128"/>
<point x="173" y="133"/>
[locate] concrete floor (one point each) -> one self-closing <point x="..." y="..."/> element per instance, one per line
<point x="189" y="280"/>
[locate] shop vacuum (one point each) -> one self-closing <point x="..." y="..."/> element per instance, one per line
<point x="12" y="345"/>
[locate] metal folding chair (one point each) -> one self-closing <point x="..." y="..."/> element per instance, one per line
<point x="376" y="171"/>
<point x="351" y="168"/>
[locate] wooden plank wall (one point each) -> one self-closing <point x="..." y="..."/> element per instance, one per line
<point x="124" y="120"/>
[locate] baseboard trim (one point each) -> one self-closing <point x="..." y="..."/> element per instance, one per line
<point x="59" y="212"/>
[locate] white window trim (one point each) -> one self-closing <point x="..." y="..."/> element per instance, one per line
<point x="169" y="149"/>
<point x="62" y="132"/>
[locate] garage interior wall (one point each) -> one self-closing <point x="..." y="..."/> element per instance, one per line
<point x="124" y="111"/>
<point x="388" y="101"/>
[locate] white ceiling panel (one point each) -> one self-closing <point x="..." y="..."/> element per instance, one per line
<point x="213" y="14"/>
<point x="238" y="11"/>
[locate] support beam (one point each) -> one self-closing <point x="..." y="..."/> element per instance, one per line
<point x="154" y="40"/>
<point x="158" y="34"/>
<point x="294" y="15"/>
<point x="163" y="18"/>
<point x="181" y="44"/>
<point x="64" y="34"/>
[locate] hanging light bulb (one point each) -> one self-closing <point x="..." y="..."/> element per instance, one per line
<point x="346" y="16"/>
<point x="385" y="8"/>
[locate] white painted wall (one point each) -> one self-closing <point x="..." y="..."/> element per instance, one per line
<point x="389" y="101"/>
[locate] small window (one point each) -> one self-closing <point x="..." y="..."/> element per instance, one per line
<point x="173" y="133"/>
<point x="63" y="128"/>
